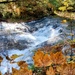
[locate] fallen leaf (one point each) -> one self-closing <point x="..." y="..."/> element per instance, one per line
<point x="15" y="56"/>
<point x="41" y="60"/>
<point x="22" y="64"/>
<point x="23" y="69"/>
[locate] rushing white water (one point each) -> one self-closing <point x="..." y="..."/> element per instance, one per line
<point x="33" y="34"/>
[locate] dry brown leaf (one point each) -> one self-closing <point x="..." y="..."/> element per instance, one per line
<point x="50" y="71"/>
<point x="22" y="64"/>
<point x="67" y="69"/>
<point x="55" y="48"/>
<point x="73" y="45"/>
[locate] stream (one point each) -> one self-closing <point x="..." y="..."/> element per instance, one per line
<point x="24" y="38"/>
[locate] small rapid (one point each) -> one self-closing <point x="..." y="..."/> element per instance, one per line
<point x="24" y="38"/>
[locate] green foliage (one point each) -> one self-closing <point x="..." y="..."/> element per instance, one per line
<point x="66" y="5"/>
<point x="32" y="67"/>
<point x="27" y="8"/>
<point x="63" y="4"/>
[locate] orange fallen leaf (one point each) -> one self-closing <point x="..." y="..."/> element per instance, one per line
<point x="23" y="69"/>
<point x="41" y="60"/>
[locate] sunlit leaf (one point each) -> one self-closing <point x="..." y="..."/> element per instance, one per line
<point x="63" y="8"/>
<point x="65" y="3"/>
<point x="63" y="21"/>
<point x="40" y="59"/>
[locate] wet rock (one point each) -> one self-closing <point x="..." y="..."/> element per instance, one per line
<point x="60" y="31"/>
<point x="33" y="29"/>
<point x="55" y="26"/>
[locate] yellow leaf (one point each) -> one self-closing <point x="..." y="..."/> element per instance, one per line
<point x="15" y="56"/>
<point x="63" y="8"/>
<point x="65" y="3"/>
<point x="63" y="21"/>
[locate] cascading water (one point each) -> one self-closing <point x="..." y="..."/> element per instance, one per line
<point x="30" y="36"/>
